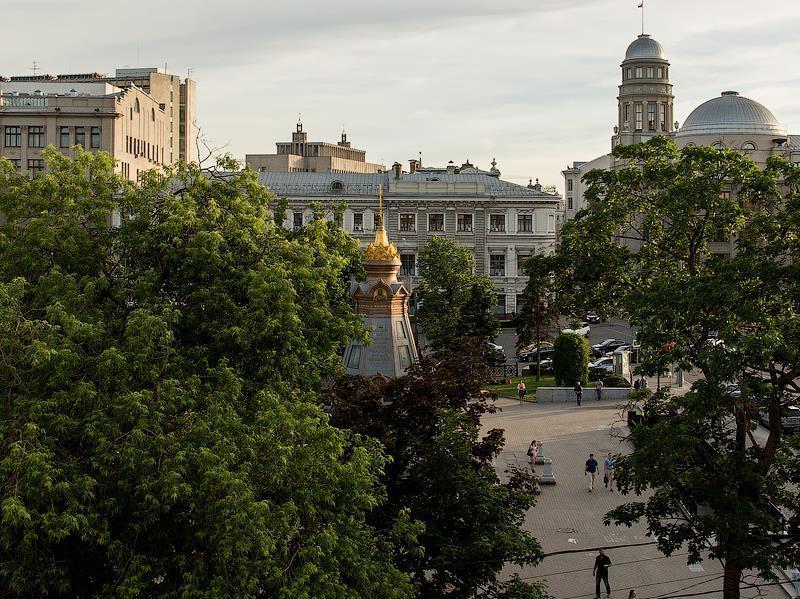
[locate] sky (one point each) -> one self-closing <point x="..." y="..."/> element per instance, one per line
<point x="532" y="83"/>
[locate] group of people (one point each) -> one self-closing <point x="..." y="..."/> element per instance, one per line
<point x="592" y="469"/>
<point x="598" y="388"/>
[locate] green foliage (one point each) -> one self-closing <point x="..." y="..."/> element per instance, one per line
<point x="441" y="474"/>
<point x="537" y="319"/>
<point x="615" y="380"/>
<point x="454" y="303"/>
<point x="571" y="360"/>
<point x="159" y="429"/>
<point x="645" y="247"/>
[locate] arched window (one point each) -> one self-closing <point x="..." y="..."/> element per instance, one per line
<point x="337" y="186"/>
<point x="153" y="114"/>
<point x="749" y="145"/>
<point x="718" y="145"/>
<point x="136" y="105"/>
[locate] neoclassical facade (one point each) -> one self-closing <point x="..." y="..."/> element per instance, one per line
<point x="502" y="223"/>
<point x="645" y="110"/>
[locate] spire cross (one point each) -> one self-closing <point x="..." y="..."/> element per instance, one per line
<point x="641" y="5"/>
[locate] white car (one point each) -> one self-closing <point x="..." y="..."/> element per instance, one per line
<point x="583" y="331"/>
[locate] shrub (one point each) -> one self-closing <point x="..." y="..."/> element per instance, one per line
<point x="614" y="380"/>
<point x="571" y="360"/>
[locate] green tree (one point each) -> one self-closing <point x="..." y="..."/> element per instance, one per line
<point x="159" y="429"/>
<point x="647" y="247"/>
<point x="537" y="320"/>
<point x="454" y="303"/>
<point x="441" y="475"/>
<point x="571" y="360"/>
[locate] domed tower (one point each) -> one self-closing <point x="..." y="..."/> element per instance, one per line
<point x="382" y="302"/>
<point x="645" y="95"/>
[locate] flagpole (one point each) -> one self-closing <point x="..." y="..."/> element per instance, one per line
<point x="641" y="5"/>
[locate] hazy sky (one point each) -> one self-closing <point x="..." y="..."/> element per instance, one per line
<point x="530" y="82"/>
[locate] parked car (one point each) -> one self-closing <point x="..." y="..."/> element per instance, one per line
<point x="607" y="346"/>
<point x="582" y="331"/>
<point x="591" y="317"/>
<point x="531" y="355"/>
<point x="546" y="367"/>
<point x="601" y="367"/>
<point x="495" y="354"/>
<point x="790" y="420"/>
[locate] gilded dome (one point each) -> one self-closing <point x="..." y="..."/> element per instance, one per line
<point x="645" y="47"/>
<point x="381" y="249"/>
<point x="731" y="113"/>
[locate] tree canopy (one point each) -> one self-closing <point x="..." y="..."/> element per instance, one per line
<point x="160" y="431"/>
<point x="442" y="477"/>
<point x="454" y="303"/>
<point x="699" y="247"/>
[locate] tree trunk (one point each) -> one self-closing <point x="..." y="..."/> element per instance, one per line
<point x="730" y="583"/>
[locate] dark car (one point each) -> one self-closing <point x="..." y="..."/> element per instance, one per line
<point x="592" y="318"/>
<point x="607" y="346"/>
<point x="540" y="352"/>
<point x="495" y="354"/>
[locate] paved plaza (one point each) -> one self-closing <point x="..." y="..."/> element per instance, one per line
<point x="567" y="517"/>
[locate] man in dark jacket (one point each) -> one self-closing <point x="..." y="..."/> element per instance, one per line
<point x="600" y="572"/>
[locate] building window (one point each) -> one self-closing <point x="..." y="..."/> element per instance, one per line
<point x="13" y="137"/>
<point x="63" y="137"/>
<point x="521" y="258"/>
<point x="662" y="116"/>
<point x="638" y="72"/>
<point x="297" y="220"/>
<point x="497" y="222"/>
<point x="358" y="221"/>
<point x="660" y="72"/>
<point x="464" y="223"/>
<point x="337" y="186"/>
<point x="525" y="223"/>
<point x="354" y="358"/>
<point x="408" y="222"/>
<point x="651" y="116"/>
<point x="638" y="112"/>
<point x="497" y="265"/>
<point x="569" y="184"/>
<point x="35" y="166"/>
<point x="94" y="140"/>
<point x="408" y="265"/>
<point x="35" y="137"/>
<point x="80" y="136"/>
<point x="551" y="223"/>
<point x="569" y="202"/>
<point x="650" y="72"/>
<point x="436" y="222"/>
<point x="16" y="162"/>
<point x="136" y="105"/>
<point x="630" y="73"/>
<point x="748" y="145"/>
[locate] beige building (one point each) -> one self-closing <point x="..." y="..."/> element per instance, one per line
<point x="127" y="123"/>
<point x="148" y="117"/>
<point x="303" y="156"/>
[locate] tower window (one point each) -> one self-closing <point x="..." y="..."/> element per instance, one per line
<point x="638" y="72"/>
<point x="630" y="73"/>
<point x="569" y="184"/>
<point x="748" y="145"/>
<point x="651" y="116"/>
<point x="662" y="116"/>
<point x="650" y="72"/>
<point x="660" y="72"/>
<point x="638" y="111"/>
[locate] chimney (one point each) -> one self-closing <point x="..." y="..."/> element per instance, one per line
<point x="413" y="164"/>
<point x="397" y="170"/>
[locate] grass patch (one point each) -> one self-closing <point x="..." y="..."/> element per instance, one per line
<point x="531" y="383"/>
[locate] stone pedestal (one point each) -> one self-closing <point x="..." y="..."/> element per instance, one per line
<point x="546" y="477"/>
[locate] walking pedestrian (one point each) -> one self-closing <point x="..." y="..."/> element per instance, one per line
<point x="591" y="470"/>
<point x="533" y="453"/>
<point x="608" y="472"/>
<point x="578" y="391"/>
<point x="636" y="384"/>
<point x="600" y="572"/>
<point x="643" y="384"/>
<point x="598" y="386"/>
<point x="521" y="390"/>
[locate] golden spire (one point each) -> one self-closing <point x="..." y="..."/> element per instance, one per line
<point x="381" y="249"/>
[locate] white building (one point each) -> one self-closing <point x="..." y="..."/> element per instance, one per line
<point x="501" y="222"/>
<point x="645" y="110"/>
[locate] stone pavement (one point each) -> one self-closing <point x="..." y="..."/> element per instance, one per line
<point x="568" y="517"/>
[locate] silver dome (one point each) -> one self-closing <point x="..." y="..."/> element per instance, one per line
<point x="645" y="47"/>
<point x="731" y="113"/>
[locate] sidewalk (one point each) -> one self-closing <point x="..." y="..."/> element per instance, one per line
<point x="568" y="517"/>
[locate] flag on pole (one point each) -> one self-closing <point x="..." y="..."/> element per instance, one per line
<point x="641" y="4"/>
